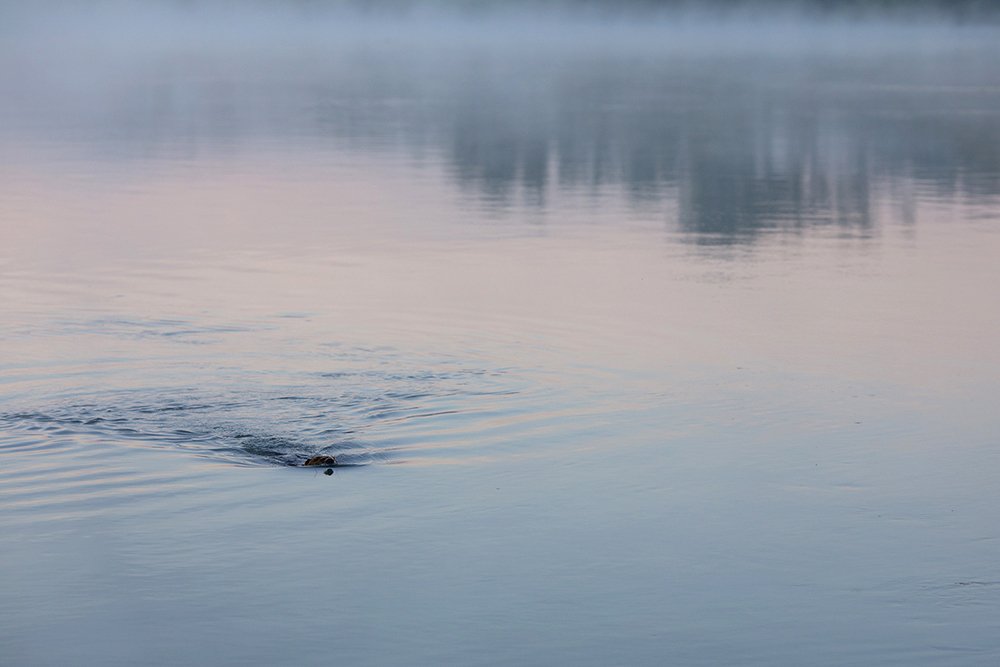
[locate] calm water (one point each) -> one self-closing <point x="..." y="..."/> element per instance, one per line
<point x="660" y="344"/>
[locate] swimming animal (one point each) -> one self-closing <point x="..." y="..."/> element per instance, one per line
<point x="321" y="460"/>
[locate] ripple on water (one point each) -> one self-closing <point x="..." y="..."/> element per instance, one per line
<point x="361" y="418"/>
<point x="79" y="455"/>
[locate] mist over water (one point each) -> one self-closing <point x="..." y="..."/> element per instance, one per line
<point x="802" y="124"/>
<point x="642" y="334"/>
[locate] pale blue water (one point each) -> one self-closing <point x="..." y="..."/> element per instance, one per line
<point x="642" y="345"/>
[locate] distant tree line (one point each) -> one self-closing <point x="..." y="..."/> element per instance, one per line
<point x="962" y="10"/>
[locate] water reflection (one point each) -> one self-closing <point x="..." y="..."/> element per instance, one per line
<point x="744" y="143"/>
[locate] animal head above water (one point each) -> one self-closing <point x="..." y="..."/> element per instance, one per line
<point x="321" y="461"/>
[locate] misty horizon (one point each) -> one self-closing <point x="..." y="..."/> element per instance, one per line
<point x="795" y="130"/>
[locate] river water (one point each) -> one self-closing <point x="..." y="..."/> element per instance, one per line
<point x="652" y="344"/>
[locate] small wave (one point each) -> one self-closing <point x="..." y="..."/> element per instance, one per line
<point x="352" y="416"/>
<point x="225" y="441"/>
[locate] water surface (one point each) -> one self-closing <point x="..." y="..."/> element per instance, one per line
<point x="652" y="344"/>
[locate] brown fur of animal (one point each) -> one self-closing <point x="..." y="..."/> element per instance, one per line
<point x="321" y="461"/>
